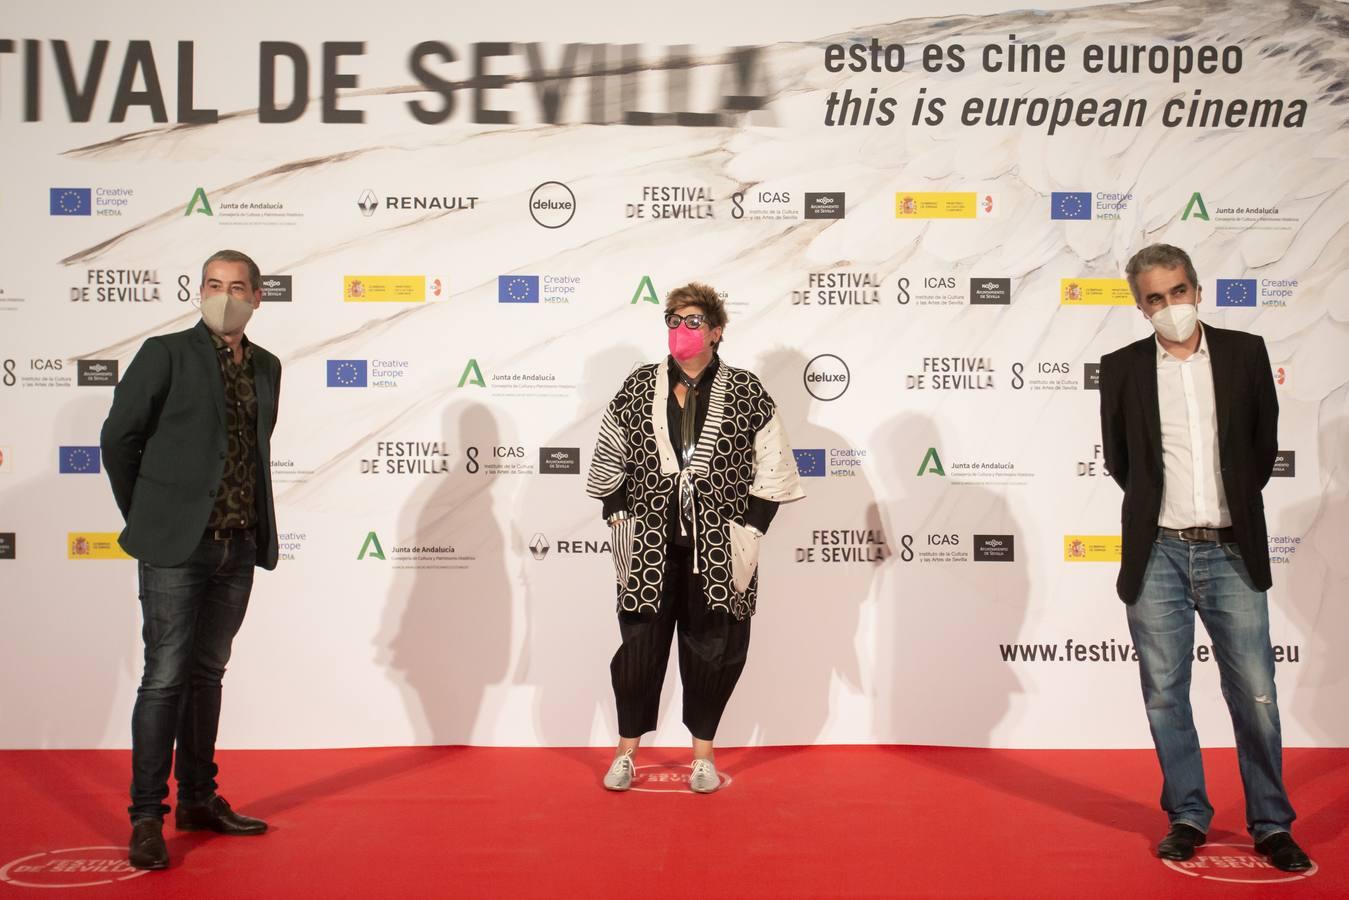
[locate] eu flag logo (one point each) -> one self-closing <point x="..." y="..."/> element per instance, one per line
<point x="1070" y="205"/>
<point x="348" y="372"/>
<point x="517" y="289"/>
<point x="810" y="463"/>
<point x="71" y="202"/>
<point x="1237" y="292"/>
<point x="79" y="461"/>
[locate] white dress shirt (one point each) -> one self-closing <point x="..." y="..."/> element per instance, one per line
<point x="1192" y="486"/>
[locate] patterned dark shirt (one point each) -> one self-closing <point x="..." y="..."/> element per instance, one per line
<point x="236" y="498"/>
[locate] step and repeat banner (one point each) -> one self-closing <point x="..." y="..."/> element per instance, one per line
<point x="467" y="224"/>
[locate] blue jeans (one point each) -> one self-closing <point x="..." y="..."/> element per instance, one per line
<point x="1210" y="578"/>
<point x="192" y="612"/>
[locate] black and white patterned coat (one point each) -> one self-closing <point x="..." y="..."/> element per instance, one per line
<point x="742" y="452"/>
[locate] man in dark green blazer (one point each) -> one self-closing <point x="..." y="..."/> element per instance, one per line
<point x="187" y="447"/>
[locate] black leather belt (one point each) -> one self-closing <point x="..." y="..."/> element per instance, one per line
<point x="229" y="534"/>
<point x="1200" y="535"/>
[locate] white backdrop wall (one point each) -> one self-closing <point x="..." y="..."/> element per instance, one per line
<point x="962" y="524"/>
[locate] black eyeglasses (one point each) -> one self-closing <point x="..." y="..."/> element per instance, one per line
<point x="691" y="322"/>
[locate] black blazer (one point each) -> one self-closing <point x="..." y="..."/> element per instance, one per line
<point x="1131" y="441"/>
<point x="164" y="445"/>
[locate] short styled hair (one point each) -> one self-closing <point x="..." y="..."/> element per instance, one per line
<point x="234" y="256"/>
<point x="695" y="293"/>
<point x="1155" y="256"/>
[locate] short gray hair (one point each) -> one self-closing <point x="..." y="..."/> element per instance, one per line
<point x="234" y="256"/>
<point x="1154" y="256"/>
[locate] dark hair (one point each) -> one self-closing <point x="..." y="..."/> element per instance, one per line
<point x="234" y="256"/>
<point x="1154" y="256"/>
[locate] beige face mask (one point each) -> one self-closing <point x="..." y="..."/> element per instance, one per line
<point x="224" y="314"/>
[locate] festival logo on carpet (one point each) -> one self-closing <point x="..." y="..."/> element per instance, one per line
<point x="669" y="779"/>
<point x="1235" y="863"/>
<point x="76" y="867"/>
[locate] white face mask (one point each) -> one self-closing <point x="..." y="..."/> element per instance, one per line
<point x="1176" y="323"/>
<point x="225" y="314"/>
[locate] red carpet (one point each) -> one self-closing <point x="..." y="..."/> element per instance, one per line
<point x="794" y="822"/>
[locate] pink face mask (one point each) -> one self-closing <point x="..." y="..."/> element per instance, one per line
<point x="686" y="344"/>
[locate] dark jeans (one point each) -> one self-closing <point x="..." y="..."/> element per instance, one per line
<point x="192" y="612"/>
<point x="1210" y="579"/>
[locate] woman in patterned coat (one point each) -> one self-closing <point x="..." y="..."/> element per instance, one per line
<point x="691" y="464"/>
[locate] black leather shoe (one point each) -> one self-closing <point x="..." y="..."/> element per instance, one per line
<point x="216" y="815"/>
<point x="1180" y="842"/>
<point x="1284" y="853"/>
<point x="147" y="849"/>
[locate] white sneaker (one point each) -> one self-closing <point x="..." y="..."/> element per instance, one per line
<point x="704" y="779"/>
<point x="619" y="776"/>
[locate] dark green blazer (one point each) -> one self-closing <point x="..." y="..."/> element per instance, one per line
<point x="164" y="445"/>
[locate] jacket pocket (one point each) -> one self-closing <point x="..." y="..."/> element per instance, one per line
<point x="744" y="556"/>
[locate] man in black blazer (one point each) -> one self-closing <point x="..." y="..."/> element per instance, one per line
<point x="1189" y="430"/>
<point x="187" y="448"/>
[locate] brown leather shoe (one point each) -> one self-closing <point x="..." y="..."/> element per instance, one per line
<point x="147" y="849"/>
<point x="216" y="815"/>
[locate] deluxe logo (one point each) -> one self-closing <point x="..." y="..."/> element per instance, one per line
<point x="7" y="551"/>
<point x="1235" y="864"/>
<point x="72" y="868"/>
<point x="71" y="201"/>
<point x="1285" y="464"/>
<point x="1237" y="292"/>
<point x="825" y="206"/>
<point x="96" y="372"/>
<point x="539" y="546"/>
<point x="94" y="545"/>
<point x="200" y="204"/>
<point x="990" y="291"/>
<point x="809" y="463"/>
<point x="559" y="460"/>
<point x="276" y="289"/>
<point x="1070" y="205"/>
<point x="371" y="548"/>
<point x="384" y="288"/>
<point x="552" y="204"/>
<point x="517" y="289"/>
<point x="827" y="377"/>
<point x="348" y="373"/>
<point x="1092" y="548"/>
<point x="1095" y="292"/>
<point x="79" y="461"/>
<point x="646" y="292"/>
<point x="994" y="548"/>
